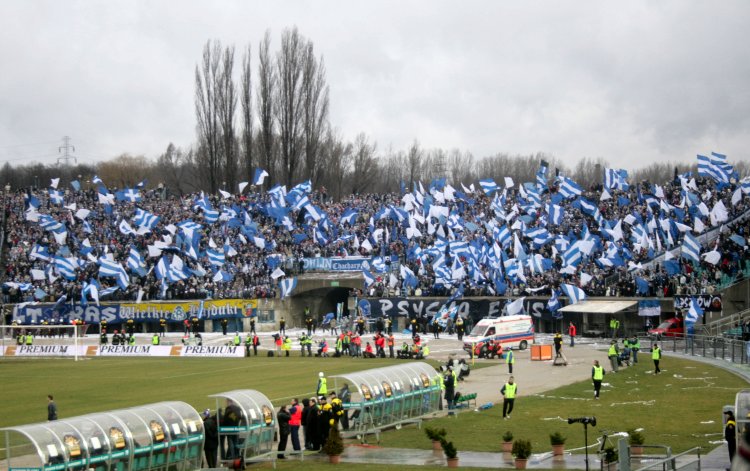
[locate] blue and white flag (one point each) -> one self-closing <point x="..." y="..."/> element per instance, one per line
<point x="145" y="219"/>
<point x="488" y="186"/>
<point x="695" y="311"/>
<point x="649" y="307"/>
<point x="111" y="269"/>
<point x="286" y="286"/>
<point x="96" y="180"/>
<point x="369" y="278"/>
<point x="573" y="293"/>
<point x="76" y="185"/>
<point x="642" y="286"/>
<point x="555" y="214"/>
<point x="136" y="263"/>
<point x="502" y="236"/>
<point x="515" y="307"/>
<point x="129" y="194"/>
<point x="572" y="257"/>
<point x="691" y="248"/>
<point x="259" y="177"/>
<point x="553" y="305"/>
<point x="541" y="176"/>
<point x="56" y="196"/>
<point x="66" y="267"/>
<point x="215" y="257"/>
<point x="222" y="277"/>
<point x="569" y="188"/>
<point x="672" y="267"/>
<point x="210" y="215"/>
<point x="40" y="252"/>
<point x="616" y="178"/>
<point x="349" y="216"/>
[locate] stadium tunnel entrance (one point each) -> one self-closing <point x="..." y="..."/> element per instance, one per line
<point x="321" y="292"/>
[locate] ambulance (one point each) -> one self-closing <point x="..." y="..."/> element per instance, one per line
<point x="515" y="332"/>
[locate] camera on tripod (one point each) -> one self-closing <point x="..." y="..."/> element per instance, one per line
<point x="582" y="420"/>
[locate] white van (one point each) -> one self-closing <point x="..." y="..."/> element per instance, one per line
<point x="509" y="331"/>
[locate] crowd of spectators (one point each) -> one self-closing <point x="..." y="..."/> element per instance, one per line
<point x="264" y="244"/>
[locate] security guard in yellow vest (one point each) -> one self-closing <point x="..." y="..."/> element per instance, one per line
<point x="287" y="345"/>
<point x="614" y="325"/>
<point x="155" y="339"/>
<point x="236" y="340"/>
<point x="612" y="354"/>
<point x="29" y="339"/>
<point x="597" y="375"/>
<point x="322" y="388"/>
<point x="438" y="381"/>
<point x="131" y="340"/>
<point x="656" y="356"/>
<point x="508" y="391"/>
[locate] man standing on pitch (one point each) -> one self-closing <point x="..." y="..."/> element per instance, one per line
<point x="572" y="334"/>
<point x="597" y="374"/>
<point x="508" y="391"/>
<point x="51" y="408"/>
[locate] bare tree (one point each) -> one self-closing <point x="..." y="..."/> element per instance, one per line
<point x="414" y="161"/>
<point x="288" y="102"/>
<point x="176" y="169"/>
<point x="338" y="163"/>
<point x="590" y="172"/>
<point x="208" y="126"/>
<point x="265" y="94"/>
<point x="460" y="166"/>
<point x="226" y="105"/>
<point x="124" y="170"/>
<point x="315" y="104"/>
<point x="246" y="85"/>
<point x="364" y="164"/>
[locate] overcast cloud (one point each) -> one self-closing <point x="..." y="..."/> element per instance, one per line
<point x="632" y="82"/>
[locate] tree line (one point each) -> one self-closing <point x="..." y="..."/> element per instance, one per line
<point x="276" y="117"/>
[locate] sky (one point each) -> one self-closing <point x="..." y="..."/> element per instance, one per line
<point x="631" y="82"/>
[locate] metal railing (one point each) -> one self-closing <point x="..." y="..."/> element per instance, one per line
<point x="725" y="323"/>
<point x="687" y="460"/>
<point x="705" y="346"/>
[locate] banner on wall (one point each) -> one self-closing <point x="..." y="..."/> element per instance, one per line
<point x="708" y="302"/>
<point x="343" y="263"/>
<point x="115" y="313"/>
<point x="207" y="351"/>
<point x="475" y="309"/>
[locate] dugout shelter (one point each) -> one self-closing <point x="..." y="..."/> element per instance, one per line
<point x="161" y="436"/>
<point x="380" y="398"/>
<point x="247" y="421"/>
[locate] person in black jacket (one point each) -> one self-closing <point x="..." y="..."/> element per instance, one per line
<point x="283" y="418"/>
<point x="211" y="444"/>
<point x="309" y="424"/>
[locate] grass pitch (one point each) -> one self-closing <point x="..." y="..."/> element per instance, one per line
<point x="680" y="408"/>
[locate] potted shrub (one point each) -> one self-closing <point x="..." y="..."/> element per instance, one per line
<point x="610" y="458"/>
<point x="334" y="445"/>
<point x="636" y="440"/>
<point x="507" y="442"/>
<point x="557" y="440"/>
<point x="521" y="450"/>
<point x="451" y="454"/>
<point x="435" y="434"/>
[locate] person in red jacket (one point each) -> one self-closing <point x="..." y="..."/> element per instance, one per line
<point x="368" y="351"/>
<point x="380" y="345"/>
<point x="294" y="423"/>
<point x="572" y="334"/>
